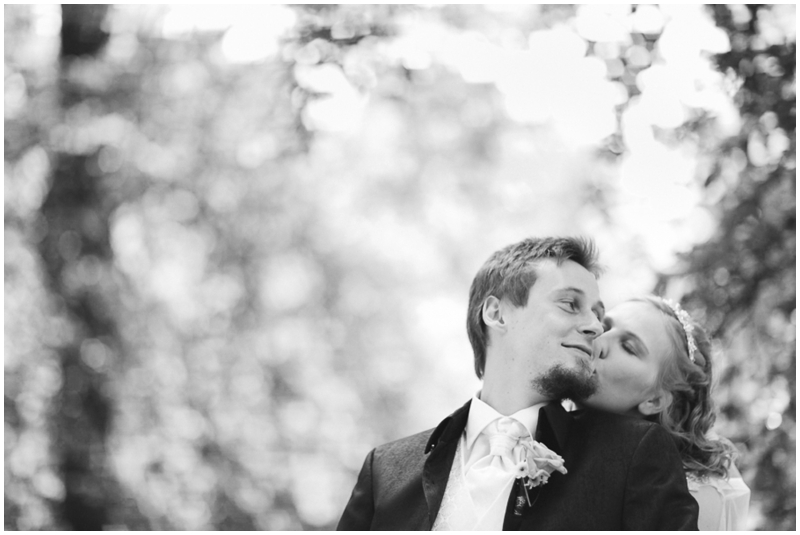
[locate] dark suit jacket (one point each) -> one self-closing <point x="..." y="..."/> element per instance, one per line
<point x="623" y="474"/>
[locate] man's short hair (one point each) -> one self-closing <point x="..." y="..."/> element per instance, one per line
<point x="511" y="272"/>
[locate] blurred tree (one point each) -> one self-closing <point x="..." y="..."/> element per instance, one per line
<point x="255" y="268"/>
<point x="742" y="281"/>
<point x="78" y="261"/>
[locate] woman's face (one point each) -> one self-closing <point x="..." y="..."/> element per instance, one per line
<point x="628" y="356"/>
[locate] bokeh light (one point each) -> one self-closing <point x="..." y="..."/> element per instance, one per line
<point x="239" y="239"/>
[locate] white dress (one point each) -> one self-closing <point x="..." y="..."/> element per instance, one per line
<point x="723" y="502"/>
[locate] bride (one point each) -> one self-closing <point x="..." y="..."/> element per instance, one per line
<point x="653" y="361"/>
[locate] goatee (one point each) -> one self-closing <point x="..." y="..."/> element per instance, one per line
<point x="560" y="382"/>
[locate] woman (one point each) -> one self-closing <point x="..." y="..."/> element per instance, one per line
<point x="653" y="361"/>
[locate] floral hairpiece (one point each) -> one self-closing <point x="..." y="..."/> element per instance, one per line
<point x="686" y="323"/>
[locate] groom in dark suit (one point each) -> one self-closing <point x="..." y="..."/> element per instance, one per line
<point x="534" y="311"/>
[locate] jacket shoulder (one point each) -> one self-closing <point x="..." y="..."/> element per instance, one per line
<point x="403" y="448"/>
<point x="627" y="433"/>
<point x="422" y="443"/>
<point x="592" y="418"/>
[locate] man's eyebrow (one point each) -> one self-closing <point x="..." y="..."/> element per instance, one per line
<point x="571" y="289"/>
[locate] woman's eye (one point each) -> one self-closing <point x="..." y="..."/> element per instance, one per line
<point x="628" y="347"/>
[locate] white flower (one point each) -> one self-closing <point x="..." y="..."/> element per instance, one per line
<point x="539" y="462"/>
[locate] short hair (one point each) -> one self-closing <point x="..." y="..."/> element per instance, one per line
<point x="692" y="412"/>
<point x="511" y="272"/>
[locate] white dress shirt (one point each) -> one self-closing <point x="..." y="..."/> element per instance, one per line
<point x="460" y="510"/>
<point x="481" y="415"/>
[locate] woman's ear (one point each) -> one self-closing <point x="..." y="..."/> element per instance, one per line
<point x="658" y="403"/>
<point x="493" y="313"/>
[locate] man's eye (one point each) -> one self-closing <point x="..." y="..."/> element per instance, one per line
<point x="571" y="304"/>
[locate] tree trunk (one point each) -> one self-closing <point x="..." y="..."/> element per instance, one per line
<point x="77" y="252"/>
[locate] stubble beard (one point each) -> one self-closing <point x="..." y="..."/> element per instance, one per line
<point x="560" y="382"/>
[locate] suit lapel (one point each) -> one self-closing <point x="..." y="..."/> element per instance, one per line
<point x="442" y="447"/>
<point x="553" y="427"/>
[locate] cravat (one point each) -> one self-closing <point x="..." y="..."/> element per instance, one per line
<point x="490" y="477"/>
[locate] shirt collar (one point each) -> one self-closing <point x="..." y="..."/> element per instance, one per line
<point x="481" y="415"/>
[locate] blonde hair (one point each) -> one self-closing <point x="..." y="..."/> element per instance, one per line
<point x="691" y="414"/>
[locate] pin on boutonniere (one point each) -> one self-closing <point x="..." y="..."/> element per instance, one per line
<point x="535" y="467"/>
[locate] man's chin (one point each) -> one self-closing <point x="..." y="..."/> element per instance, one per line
<point x="560" y="382"/>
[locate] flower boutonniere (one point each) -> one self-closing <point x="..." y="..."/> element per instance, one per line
<point x="537" y="464"/>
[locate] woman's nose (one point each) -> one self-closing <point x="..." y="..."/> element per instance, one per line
<point x="599" y="348"/>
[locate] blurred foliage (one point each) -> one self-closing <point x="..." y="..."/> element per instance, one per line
<point x="742" y="282"/>
<point x="229" y="275"/>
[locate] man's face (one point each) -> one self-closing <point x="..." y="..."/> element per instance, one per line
<point x="548" y="343"/>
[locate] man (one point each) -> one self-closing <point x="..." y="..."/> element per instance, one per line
<point x="534" y="311"/>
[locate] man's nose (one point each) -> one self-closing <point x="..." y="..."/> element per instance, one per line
<point x="593" y="327"/>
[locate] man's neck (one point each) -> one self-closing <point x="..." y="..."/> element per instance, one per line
<point x="502" y="398"/>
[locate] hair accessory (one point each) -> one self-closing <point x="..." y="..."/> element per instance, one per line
<point x="686" y="323"/>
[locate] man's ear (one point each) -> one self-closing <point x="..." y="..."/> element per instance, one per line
<point x="658" y="403"/>
<point x="492" y="313"/>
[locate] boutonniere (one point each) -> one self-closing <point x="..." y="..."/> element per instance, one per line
<point x="535" y="467"/>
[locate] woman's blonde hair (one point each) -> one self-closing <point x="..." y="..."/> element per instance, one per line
<point x="691" y="413"/>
